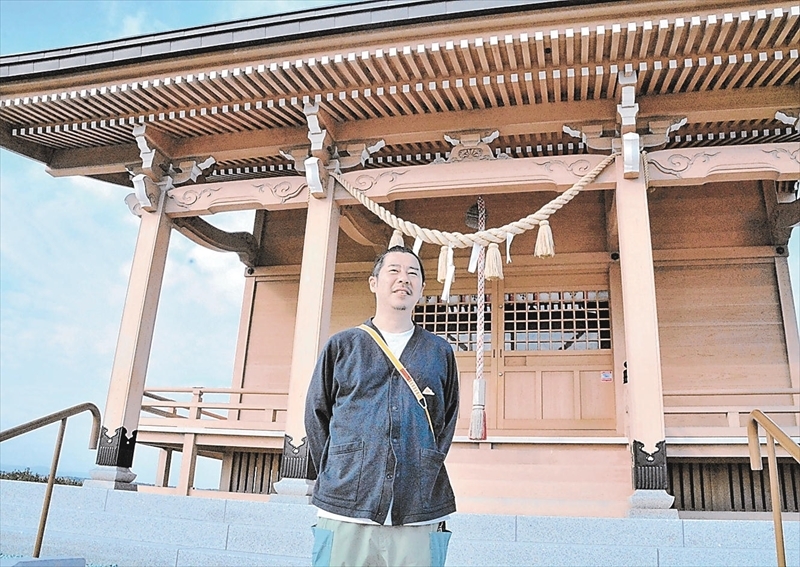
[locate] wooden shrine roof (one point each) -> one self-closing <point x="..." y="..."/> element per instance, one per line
<point x="408" y="72"/>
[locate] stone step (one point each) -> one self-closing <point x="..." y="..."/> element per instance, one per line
<point x="41" y="562"/>
<point x="102" y="550"/>
<point x="127" y="528"/>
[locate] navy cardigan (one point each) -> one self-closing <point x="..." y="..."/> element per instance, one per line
<point x="369" y="439"/>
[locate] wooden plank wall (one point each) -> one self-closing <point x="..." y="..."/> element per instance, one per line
<point x="720" y="320"/>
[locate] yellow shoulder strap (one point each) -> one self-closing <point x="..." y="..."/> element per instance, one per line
<point x="403" y="372"/>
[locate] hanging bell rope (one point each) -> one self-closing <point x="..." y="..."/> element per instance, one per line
<point x="477" y="421"/>
<point x="482" y="237"/>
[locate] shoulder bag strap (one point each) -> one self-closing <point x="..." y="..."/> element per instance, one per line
<point x="403" y="372"/>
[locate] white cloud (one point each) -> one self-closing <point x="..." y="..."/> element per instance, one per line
<point x="124" y="18"/>
<point x="241" y="9"/>
<point x="66" y="247"/>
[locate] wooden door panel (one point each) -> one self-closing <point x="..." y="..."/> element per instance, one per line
<point x="597" y="396"/>
<point x="558" y="395"/>
<point x="522" y="396"/>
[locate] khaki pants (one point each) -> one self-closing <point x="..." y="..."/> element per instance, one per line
<point x="345" y="544"/>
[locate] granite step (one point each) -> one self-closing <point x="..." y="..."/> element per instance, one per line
<point x="144" y="529"/>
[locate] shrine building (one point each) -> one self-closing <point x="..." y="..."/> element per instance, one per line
<point x="622" y="176"/>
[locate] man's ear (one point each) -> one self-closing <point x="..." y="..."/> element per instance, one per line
<point x="373" y="283"/>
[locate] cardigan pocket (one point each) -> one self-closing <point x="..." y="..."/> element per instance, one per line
<point x="342" y="474"/>
<point x="431" y="467"/>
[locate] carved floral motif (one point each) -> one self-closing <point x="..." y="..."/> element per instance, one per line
<point x="779" y="152"/>
<point x="187" y="198"/>
<point x="679" y="163"/>
<point x="577" y="168"/>
<point x="285" y="191"/>
<point x="365" y="182"/>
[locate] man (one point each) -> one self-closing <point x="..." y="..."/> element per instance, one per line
<point x="378" y="448"/>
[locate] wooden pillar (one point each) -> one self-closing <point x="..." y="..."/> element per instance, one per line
<point x="312" y="326"/>
<point x="133" y="348"/>
<point x="646" y="411"/>
<point x="790" y="329"/>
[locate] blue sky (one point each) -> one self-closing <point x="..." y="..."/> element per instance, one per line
<point x="65" y="252"/>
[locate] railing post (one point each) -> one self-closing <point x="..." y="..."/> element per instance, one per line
<point x="163" y="467"/>
<point x="188" y="463"/>
<point x="194" y="407"/>
<point x="37" y="547"/>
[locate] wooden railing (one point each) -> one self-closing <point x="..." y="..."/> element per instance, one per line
<point x="196" y="408"/>
<point x="774" y="433"/>
<point x="61" y="416"/>
<point x="733" y="412"/>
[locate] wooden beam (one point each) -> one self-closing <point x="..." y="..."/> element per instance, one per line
<point x="223" y="147"/>
<point x="696" y="166"/>
<point x="722" y="106"/>
<point x="102" y="160"/>
<point x="24" y="147"/>
<point x="680" y="168"/>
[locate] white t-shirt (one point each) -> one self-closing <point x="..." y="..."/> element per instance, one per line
<point x="397" y="343"/>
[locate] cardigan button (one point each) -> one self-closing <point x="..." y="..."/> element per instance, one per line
<point x="389" y="476"/>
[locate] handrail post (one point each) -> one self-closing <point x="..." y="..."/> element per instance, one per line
<point x="772" y="461"/>
<point x="773" y="433"/>
<point x="62" y="416"/>
<point x="37" y="547"/>
<point x="753" y="443"/>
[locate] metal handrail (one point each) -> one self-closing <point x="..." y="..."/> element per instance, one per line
<point x="61" y="416"/>
<point x="774" y="433"/>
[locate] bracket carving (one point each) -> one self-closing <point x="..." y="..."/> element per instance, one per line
<point x="157" y="172"/>
<point x="205" y="234"/>
<point x="790" y="118"/>
<point x="354" y="154"/>
<point x="155" y="160"/>
<point x="627" y="136"/>
<point x="471" y="146"/>
<point x="364" y="228"/>
<point x="189" y="170"/>
<point x="627" y="110"/>
<point x="133" y="204"/>
<point x="297" y="156"/>
<point x="146" y="192"/>
<point x="324" y="155"/>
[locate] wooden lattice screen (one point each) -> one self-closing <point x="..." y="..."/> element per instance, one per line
<point x="254" y="473"/>
<point x="731" y="486"/>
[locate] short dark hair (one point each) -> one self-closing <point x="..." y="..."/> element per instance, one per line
<point x="405" y="250"/>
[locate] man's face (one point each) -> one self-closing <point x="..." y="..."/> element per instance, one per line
<point x="399" y="282"/>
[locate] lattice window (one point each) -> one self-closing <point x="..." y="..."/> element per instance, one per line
<point x="456" y="321"/>
<point x="557" y="320"/>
